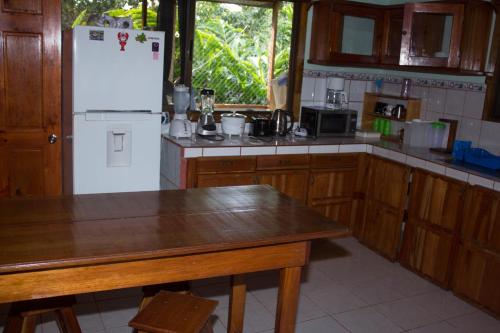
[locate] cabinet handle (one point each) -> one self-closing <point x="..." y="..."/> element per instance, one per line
<point x="404" y="32"/>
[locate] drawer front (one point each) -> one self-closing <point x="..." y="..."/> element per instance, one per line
<point x="282" y="162"/>
<point x="225" y="164"/>
<point x="334" y="161"/>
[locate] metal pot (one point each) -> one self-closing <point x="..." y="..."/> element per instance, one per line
<point x="281" y="122"/>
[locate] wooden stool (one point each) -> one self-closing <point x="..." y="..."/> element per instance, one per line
<point x="175" y="313"/>
<point x="148" y="292"/>
<point x="22" y="315"/>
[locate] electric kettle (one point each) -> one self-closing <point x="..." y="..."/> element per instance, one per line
<point x="281" y="122"/>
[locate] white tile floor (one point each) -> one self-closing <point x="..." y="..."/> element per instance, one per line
<point x="346" y="288"/>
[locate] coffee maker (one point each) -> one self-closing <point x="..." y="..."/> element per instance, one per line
<point x="206" y="122"/>
<point x="180" y="127"/>
<point x="336" y="97"/>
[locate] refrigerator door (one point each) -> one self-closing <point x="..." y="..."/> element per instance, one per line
<point x="117" y="69"/>
<point x="116" y="152"/>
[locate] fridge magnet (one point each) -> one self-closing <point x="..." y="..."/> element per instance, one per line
<point x="122" y="38"/>
<point x="155" y="47"/>
<point x="141" y="38"/>
<point x="96" y="35"/>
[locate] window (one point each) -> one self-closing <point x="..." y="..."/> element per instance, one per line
<point x="89" y="12"/>
<point x="238" y="49"/>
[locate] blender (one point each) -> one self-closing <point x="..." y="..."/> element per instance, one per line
<point x="180" y="127"/>
<point x="206" y="122"/>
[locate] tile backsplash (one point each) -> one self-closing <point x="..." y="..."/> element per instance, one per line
<point x="440" y="99"/>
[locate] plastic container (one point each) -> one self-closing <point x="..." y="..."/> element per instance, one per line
<point x="482" y="158"/>
<point x="459" y="148"/>
<point x="419" y="133"/>
<point x="436" y="134"/>
<point x="407" y="133"/>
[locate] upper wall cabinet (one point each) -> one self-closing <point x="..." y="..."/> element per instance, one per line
<point x="346" y="33"/>
<point x="431" y="35"/>
<point x="449" y="35"/>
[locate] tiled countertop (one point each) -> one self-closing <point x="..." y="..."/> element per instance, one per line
<point x="415" y="157"/>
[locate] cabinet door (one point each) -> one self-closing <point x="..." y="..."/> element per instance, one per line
<point x="391" y="41"/>
<point x="356" y="33"/>
<point x="476" y="277"/>
<point x="435" y="200"/>
<point x="292" y="183"/>
<point x="229" y="179"/>
<point x="321" y="38"/>
<point x="431" y="34"/>
<point x="428" y="252"/>
<point x="482" y="218"/>
<point x="330" y="193"/>
<point x="382" y="228"/>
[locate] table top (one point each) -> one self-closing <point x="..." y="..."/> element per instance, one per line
<point x="69" y="231"/>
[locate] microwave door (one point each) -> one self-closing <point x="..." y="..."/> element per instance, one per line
<point x="333" y="124"/>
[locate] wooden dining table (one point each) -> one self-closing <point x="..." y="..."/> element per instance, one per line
<point x="67" y="245"/>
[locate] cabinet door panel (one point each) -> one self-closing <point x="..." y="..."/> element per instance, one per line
<point x="291" y="183"/>
<point x="330" y="193"/>
<point x="226" y="179"/>
<point x="428" y="252"/>
<point x="321" y="39"/>
<point x="382" y="228"/>
<point x="388" y="182"/>
<point x="482" y="218"/>
<point x="436" y="200"/>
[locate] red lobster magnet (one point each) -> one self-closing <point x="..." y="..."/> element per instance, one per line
<point x="122" y="38"/>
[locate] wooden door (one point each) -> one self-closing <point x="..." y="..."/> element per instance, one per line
<point x="482" y="218"/>
<point x="321" y="39"/>
<point x="30" y="102"/>
<point x="331" y="193"/>
<point x="292" y="183"/>
<point x="391" y="40"/>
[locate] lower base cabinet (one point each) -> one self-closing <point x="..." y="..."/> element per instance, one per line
<point x="428" y="252"/>
<point x="231" y="179"/>
<point x="292" y="183"/>
<point x="476" y="277"/>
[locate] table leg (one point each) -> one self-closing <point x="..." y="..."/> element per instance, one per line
<point x="288" y="299"/>
<point x="236" y="304"/>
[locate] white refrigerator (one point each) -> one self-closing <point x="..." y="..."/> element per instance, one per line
<point x="116" y="83"/>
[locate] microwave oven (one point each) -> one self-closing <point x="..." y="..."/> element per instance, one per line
<point x="320" y="121"/>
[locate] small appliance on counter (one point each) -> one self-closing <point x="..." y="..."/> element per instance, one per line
<point x="180" y="127"/>
<point x="281" y="122"/>
<point x="335" y="94"/>
<point x="206" y="123"/>
<point x="233" y="124"/>
<point x="261" y="126"/>
<point x="321" y="121"/>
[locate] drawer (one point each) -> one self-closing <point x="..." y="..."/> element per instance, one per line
<point x="334" y="161"/>
<point x="225" y="164"/>
<point x="282" y="162"/>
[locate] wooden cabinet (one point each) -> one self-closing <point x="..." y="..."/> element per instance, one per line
<point x="386" y="196"/>
<point x="476" y="277"/>
<point x="478" y="261"/>
<point x="346" y="33"/>
<point x="431" y="34"/>
<point x="391" y="39"/>
<point x="331" y="185"/>
<point x="292" y="183"/>
<point x="431" y="233"/>
<point x="481" y="224"/>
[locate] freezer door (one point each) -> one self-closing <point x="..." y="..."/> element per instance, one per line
<point x="117" y="69"/>
<point x="116" y="152"/>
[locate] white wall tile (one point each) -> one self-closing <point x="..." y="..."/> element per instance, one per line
<point x="347" y="87"/>
<point x="245" y="151"/>
<point x="490" y="137"/>
<point x="320" y="91"/>
<point x="307" y="93"/>
<point x="455" y="100"/>
<point x="393" y="89"/>
<point x="497" y="186"/>
<point x="292" y="150"/>
<point x="470" y="129"/>
<point x="429" y="115"/>
<point x="456" y="174"/>
<point x="415" y="162"/>
<point x="357" y="91"/>
<point x="436" y="168"/>
<point x="323" y="149"/>
<point x="423" y="94"/>
<point x="474" y="104"/>
<point x="437" y="100"/>
<point x="357" y="106"/>
<point x="358" y="148"/>
<point x="476" y="180"/>
<point x="222" y="151"/>
<point x="193" y="152"/>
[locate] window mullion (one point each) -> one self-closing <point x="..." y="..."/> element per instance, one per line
<point x="272" y="48"/>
